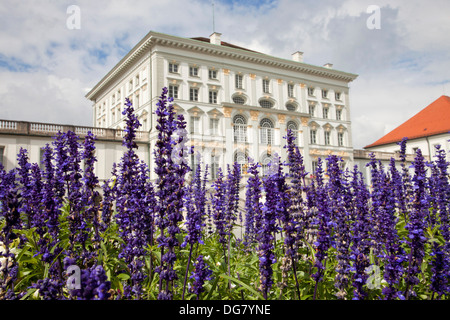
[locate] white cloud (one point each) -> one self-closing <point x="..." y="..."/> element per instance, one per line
<point x="45" y="68"/>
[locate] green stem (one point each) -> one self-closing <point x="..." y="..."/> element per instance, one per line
<point x="187" y="270"/>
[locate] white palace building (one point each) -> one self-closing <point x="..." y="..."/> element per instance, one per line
<point x="238" y="103"/>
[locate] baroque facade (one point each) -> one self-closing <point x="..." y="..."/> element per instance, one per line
<point x="238" y="103"/>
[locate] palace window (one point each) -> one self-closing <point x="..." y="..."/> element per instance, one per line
<point x="291" y="125"/>
<point x="173" y="91"/>
<point x="313" y="136"/>
<point x="312" y="109"/>
<point x="314" y="166"/>
<point x="266" y="86"/>
<point x="212" y="74"/>
<point x="266" y="131"/>
<point x="325" y="112"/>
<point x="193" y="94"/>
<point x="212" y="96"/>
<point x="266" y="104"/>
<point x="214" y="126"/>
<point x="195" y="124"/>
<point x="173" y="67"/>
<point x="214" y="165"/>
<point x="340" y="139"/>
<point x="238" y="81"/>
<point x="242" y="159"/>
<point x="240" y="129"/>
<point x="290" y="89"/>
<point x="265" y="161"/>
<point x="193" y="71"/>
<point x="238" y="100"/>
<point x="327" y="138"/>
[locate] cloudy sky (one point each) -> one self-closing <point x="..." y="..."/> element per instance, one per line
<point x="47" y="68"/>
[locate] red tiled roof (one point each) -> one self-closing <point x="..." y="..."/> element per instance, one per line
<point x="434" y="119"/>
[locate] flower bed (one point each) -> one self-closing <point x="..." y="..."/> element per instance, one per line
<point x="174" y="238"/>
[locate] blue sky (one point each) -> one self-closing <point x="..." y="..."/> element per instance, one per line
<point x="46" y="68"/>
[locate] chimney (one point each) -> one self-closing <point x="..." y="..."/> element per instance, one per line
<point x="215" y="38"/>
<point x="297" y="56"/>
<point x="328" y="65"/>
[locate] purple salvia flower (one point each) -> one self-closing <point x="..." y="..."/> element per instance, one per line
<point x="337" y="194"/>
<point x="439" y="270"/>
<point x="24" y="179"/>
<point x="109" y="189"/>
<point x="94" y="284"/>
<point x="289" y="223"/>
<point x="266" y="234"/>
<point x="10" y="205"/>
<point x="201" y="274"/>
<point x="195" y="198"/>
<point x="218" y="201"/>
<point x="297" y="183"/>
<point x="51" y="203"/>
<point x="132" y="216"/>
<point x="360" y="248"/>
<point x="48" y="288"/>
<point x="74" y="185"/>
<point x="170" y="168"/>
<point x="232" y="184"/>
<point x="377" y="208"/>
<point x="36" y="196"/>
<point x="90" y="194"/>
<point x="253" y="206"/>
<point x="406" y="198"/>
<point x="442" y="190"/>
<point x="318" y="201"/>
<point x="416" y="225"/>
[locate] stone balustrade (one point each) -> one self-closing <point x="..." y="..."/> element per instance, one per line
<point x="50" y="129"/>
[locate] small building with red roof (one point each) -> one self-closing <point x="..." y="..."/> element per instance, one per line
<point x="425" y="130"/>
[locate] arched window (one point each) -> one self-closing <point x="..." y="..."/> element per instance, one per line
<point x="241" y="157"/>
<point x="240" y="128"/>
<point x="291" y="125"/>
<point x="266" y="104"/>
<point x="265" y="160"/>
<point x="266" y="131"/>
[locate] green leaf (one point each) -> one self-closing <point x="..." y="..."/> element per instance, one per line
<point x="257" y="293"/>
<point x="213" y="287"/>
<point x="30" y="292"/>
<point x="123" y="276"/>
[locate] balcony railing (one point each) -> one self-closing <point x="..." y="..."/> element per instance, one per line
<point x="50" y="129"/>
